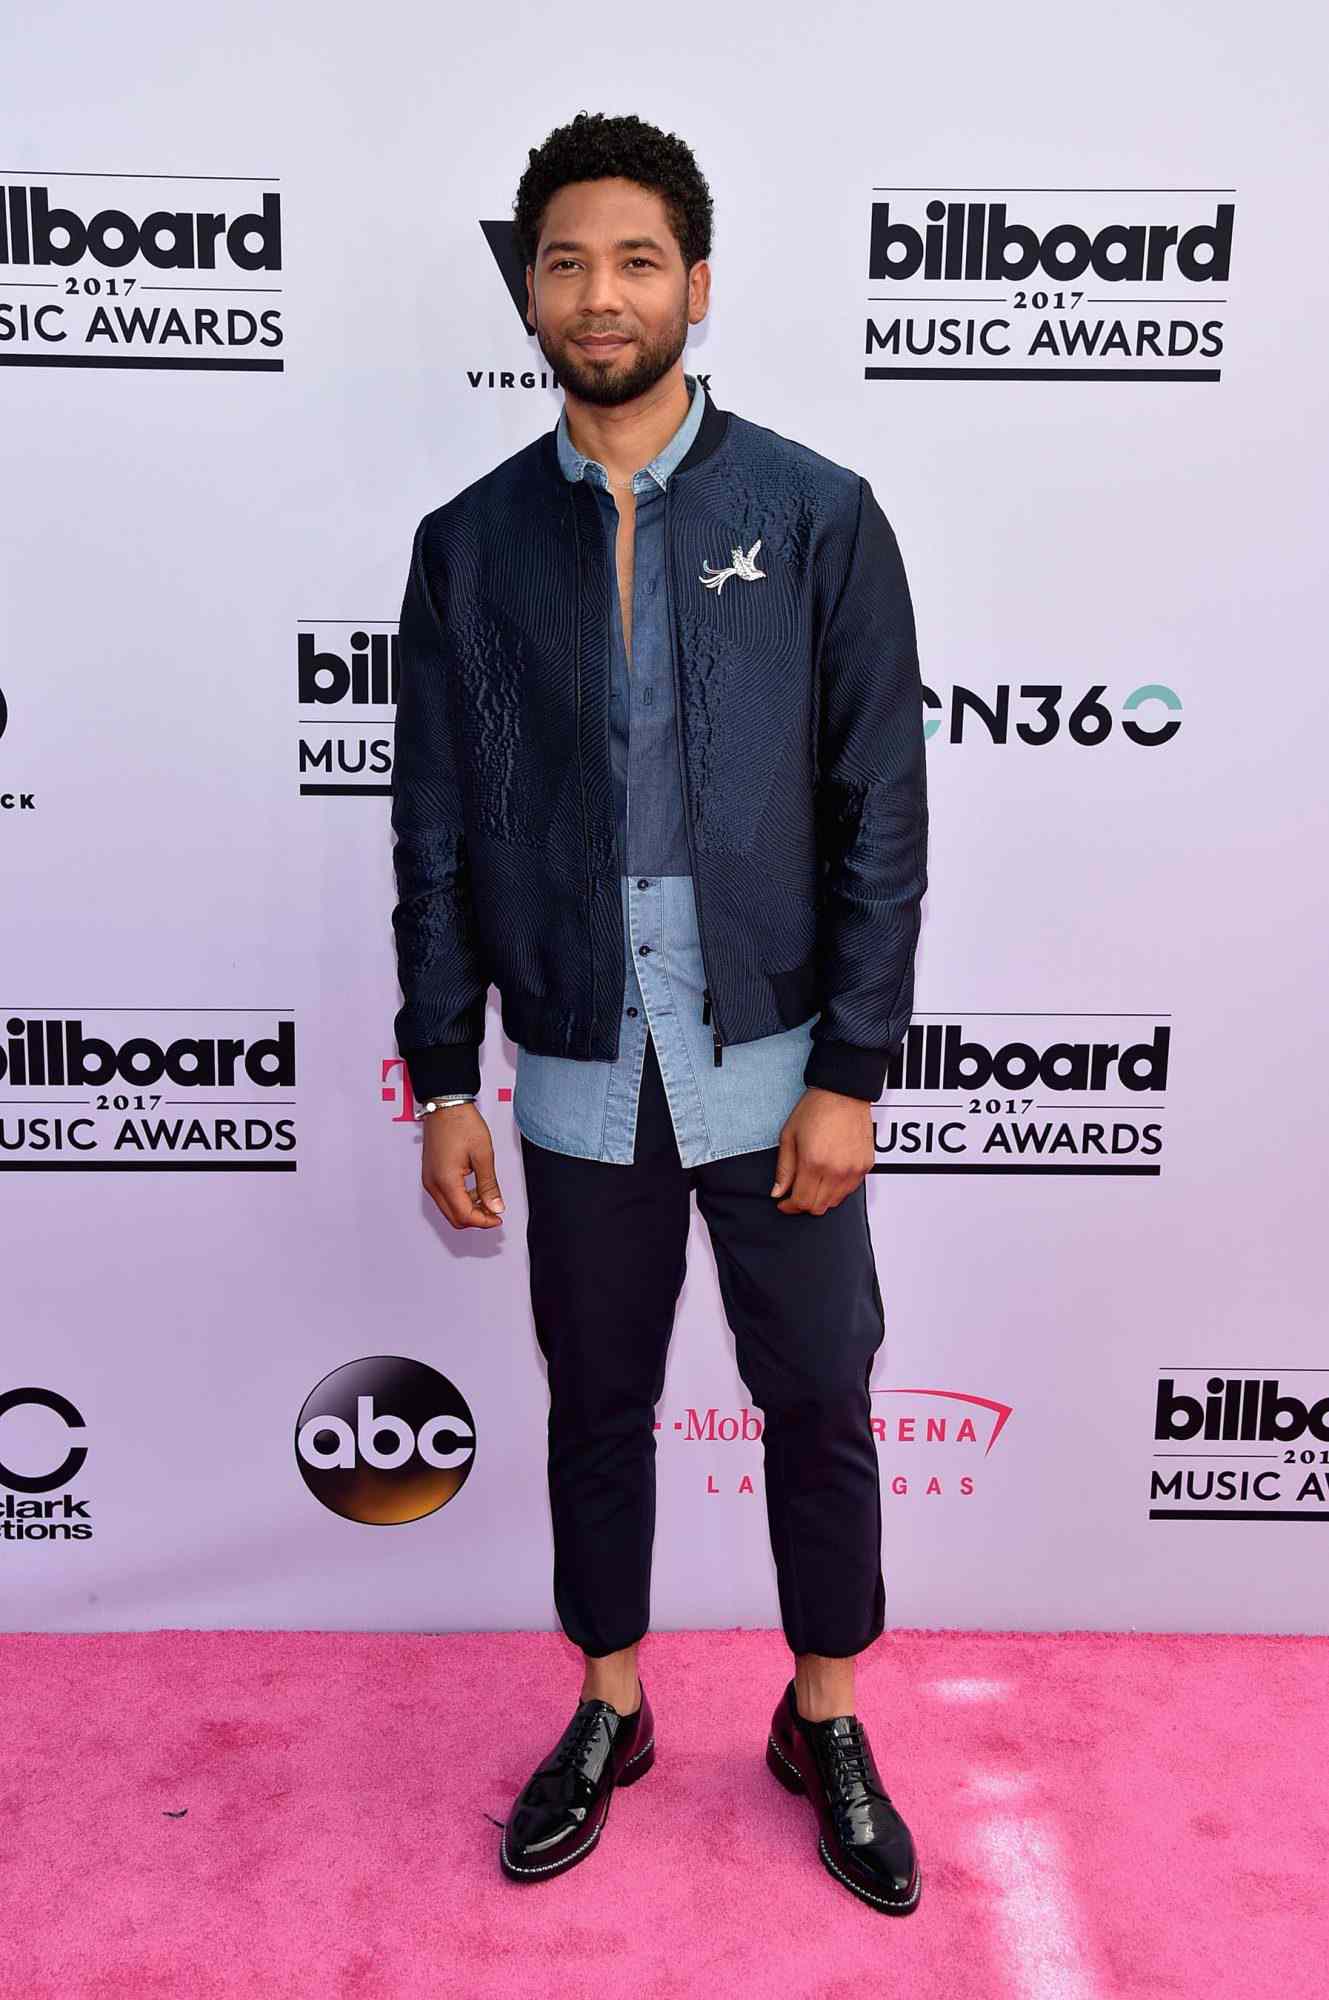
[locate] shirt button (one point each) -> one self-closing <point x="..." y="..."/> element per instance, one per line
<point x="633" y="1012"/>
<point x="644" y="882"/>
<point x="642" y="950"/>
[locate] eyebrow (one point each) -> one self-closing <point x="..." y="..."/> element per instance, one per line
<point x="623" y="243"/>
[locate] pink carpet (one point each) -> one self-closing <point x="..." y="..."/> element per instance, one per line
<point x="1096" y="1815"/>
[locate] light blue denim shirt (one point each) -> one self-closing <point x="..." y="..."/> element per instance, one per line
<point x="590" y="1108"/>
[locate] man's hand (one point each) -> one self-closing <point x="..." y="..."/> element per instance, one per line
<point x="457" y="1142"/>
<point x="826" y="1147"/>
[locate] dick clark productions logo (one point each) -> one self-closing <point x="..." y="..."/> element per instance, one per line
<point x="385" y="1440"/>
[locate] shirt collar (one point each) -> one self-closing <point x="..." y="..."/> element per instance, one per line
<point x="575" y="465"/>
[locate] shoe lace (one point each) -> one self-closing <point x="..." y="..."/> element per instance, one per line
<point x="849" y="1757"/>
<point x="579" y="1733"/>
<point x="559" y="1782"/>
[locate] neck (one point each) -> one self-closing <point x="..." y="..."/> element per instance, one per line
<point x="626" y="436"/>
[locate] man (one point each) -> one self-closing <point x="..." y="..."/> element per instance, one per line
<point x="659" y="777"/>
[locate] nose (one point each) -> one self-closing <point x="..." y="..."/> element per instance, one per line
<point x="602" y="297"/>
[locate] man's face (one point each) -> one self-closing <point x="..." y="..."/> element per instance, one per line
<point x="609" y="262"/>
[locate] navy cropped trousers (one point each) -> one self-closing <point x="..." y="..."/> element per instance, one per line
<point x="607" y="1245"/>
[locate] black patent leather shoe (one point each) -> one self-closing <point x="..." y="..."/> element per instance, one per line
<point x="560" y="1810"/>
<point x="864" y="1842"/>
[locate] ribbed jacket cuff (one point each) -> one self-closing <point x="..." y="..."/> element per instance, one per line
<point x="438" y="1071"/>
<point x="848" y="1068"/>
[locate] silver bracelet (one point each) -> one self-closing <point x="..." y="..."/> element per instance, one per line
<point x="436" y="1103"/>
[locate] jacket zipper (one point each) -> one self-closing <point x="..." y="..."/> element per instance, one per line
<point x="708" y="1011"/>
<point x="619" y="856"/>
<point x="616" y="611"/>
<point x="612" y="609"/>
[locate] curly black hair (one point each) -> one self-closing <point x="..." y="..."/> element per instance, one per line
<point x="592" y="147"/>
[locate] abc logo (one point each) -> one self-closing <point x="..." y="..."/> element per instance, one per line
<point x="384" y="1440"/>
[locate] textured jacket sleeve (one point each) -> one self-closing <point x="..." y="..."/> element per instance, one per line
<point x="440" y="965"/>
<point x="872" y="816"/>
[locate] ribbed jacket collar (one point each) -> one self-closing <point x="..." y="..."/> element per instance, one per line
<point x="710" y="434"/>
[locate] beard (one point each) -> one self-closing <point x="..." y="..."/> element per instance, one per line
<point x="619" y="377"/>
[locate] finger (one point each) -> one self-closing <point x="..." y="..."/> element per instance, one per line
<point x="820" y="1194"/>
<point x="458" y="1204"/>
<point x="808" y="1193"/>
<point x="487" y="1190"/>
<point x="796" y="1201"/>
<point x="786" y="1164"/>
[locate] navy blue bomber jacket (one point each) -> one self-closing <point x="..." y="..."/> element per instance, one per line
<point x="800" y="724"/>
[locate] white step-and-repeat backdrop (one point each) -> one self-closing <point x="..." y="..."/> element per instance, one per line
<point x="1059" y="293"/>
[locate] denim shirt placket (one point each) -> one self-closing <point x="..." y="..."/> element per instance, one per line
<point x="648" y="987"/>
<point x="643" y="908"/>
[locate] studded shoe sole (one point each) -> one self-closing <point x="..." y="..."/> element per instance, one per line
<point x="792" y="1781"/>
<point x="637" y="1765"/>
